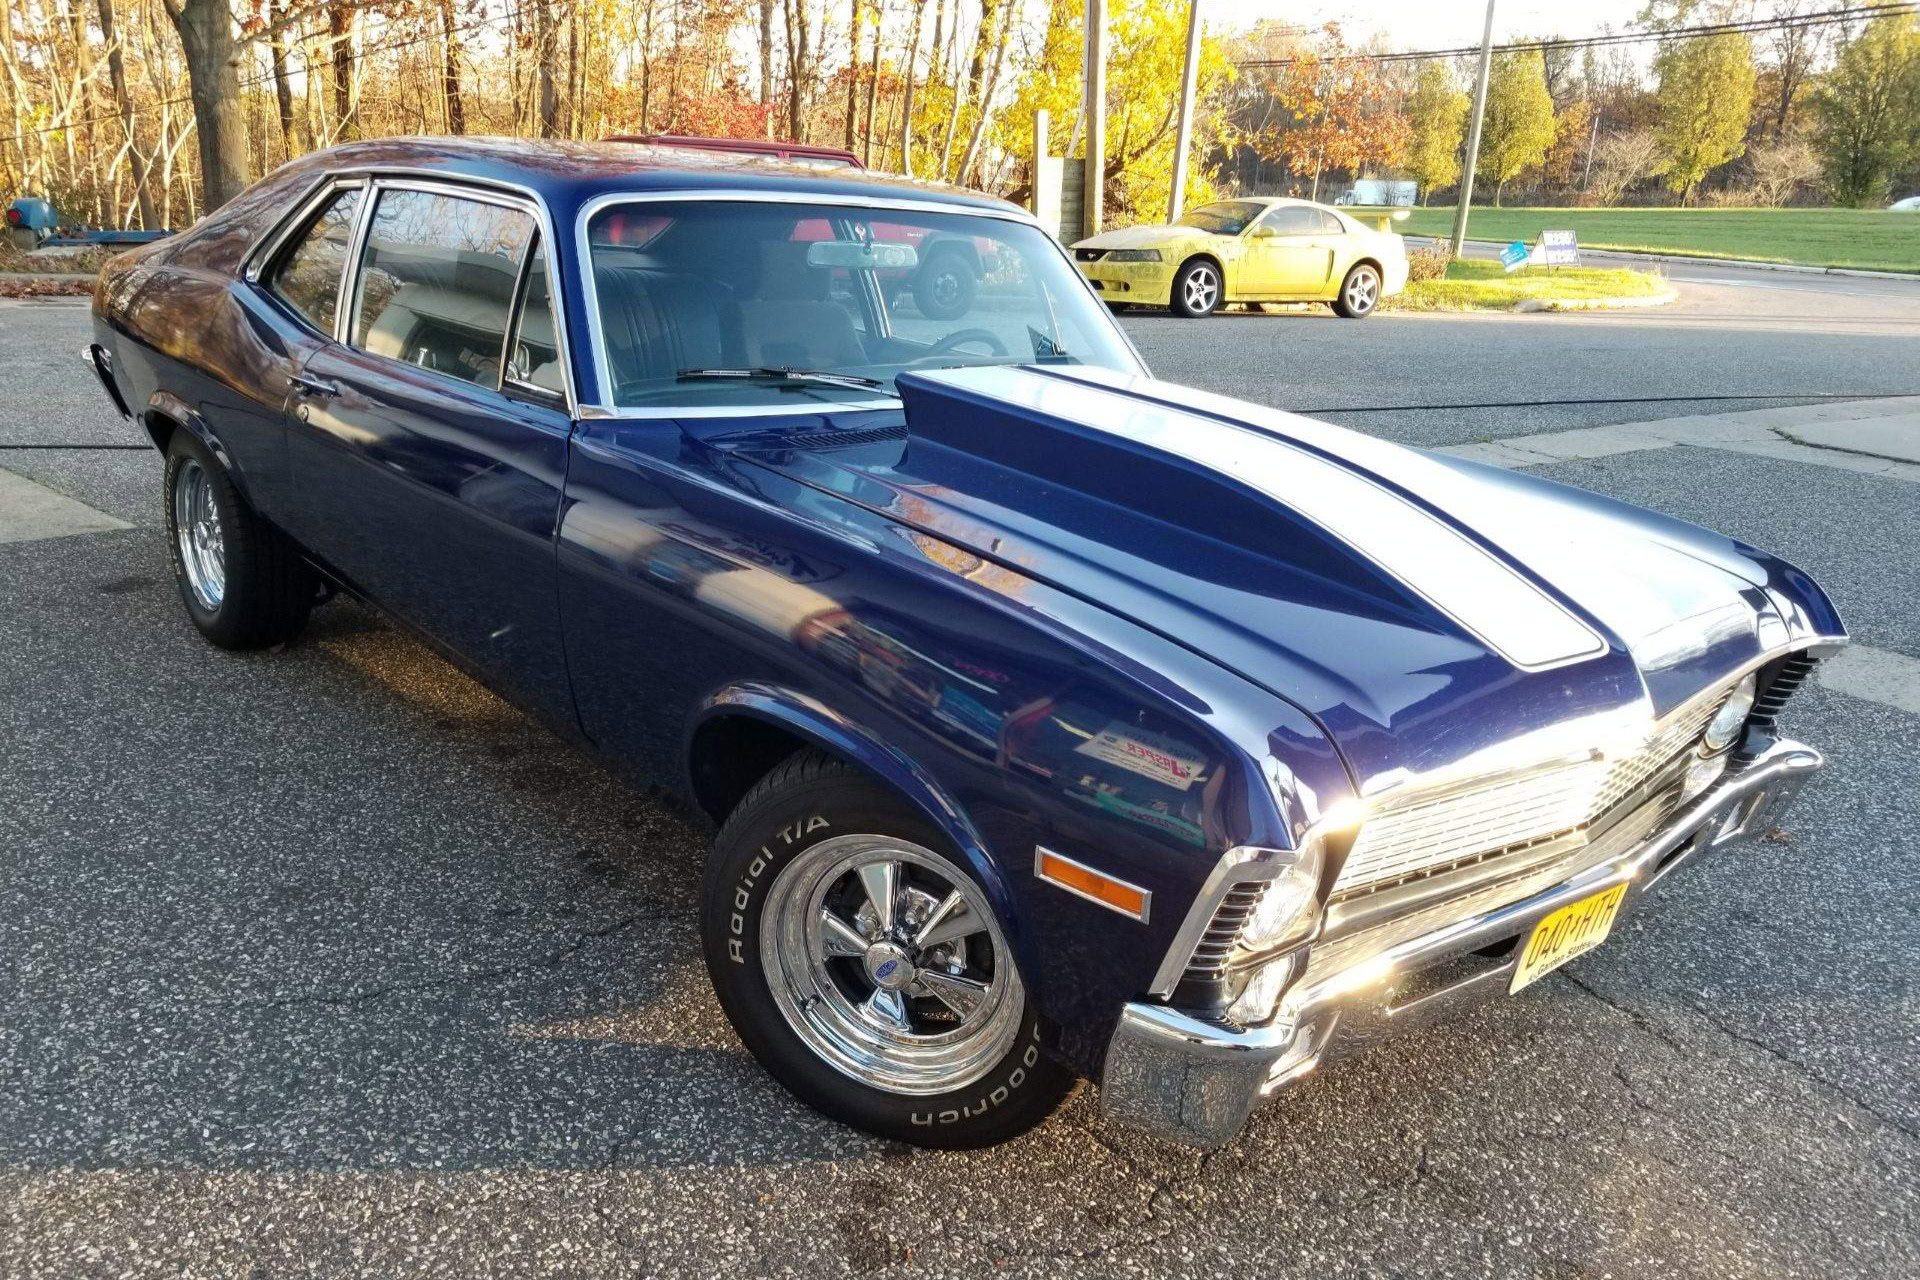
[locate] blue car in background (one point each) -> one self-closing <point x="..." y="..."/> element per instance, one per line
<point x="1053" y="721"/>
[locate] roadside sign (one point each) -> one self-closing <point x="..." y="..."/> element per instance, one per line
<point x="1514" y="256"/>
<point x="1558" y="249"/>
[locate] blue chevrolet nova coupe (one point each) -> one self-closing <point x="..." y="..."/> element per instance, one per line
<point x="1054" y="721"/>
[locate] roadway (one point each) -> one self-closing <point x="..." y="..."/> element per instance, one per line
<point x="326" y="960"/>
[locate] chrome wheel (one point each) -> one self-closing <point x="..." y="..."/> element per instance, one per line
<point x="196" y="530"/>
<point x="1362" y="291"/>
<point x="886" y="961"/>
<point x="1201" y="289"/>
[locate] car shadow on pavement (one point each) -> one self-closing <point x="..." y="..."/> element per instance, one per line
<point x="336" y="906"/>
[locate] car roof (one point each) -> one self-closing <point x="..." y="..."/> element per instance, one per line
<point x="568" y="173"/>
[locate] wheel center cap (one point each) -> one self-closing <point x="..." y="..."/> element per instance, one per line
<point x="889" y="966"/>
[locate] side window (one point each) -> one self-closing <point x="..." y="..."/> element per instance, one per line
<point x="536" y="349"/>
<point x="1293" y="220"/>
<point x="436" y="282"/>
<point x="308" y="277"/>
<point x="1330" y="225"/>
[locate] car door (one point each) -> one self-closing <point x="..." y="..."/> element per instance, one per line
<point x="291" y="298"/>
<point x="429" y="447"/>
<point x="1287" y="254"/>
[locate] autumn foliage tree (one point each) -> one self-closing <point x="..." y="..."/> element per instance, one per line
<point x="1519" y="125"/>
<point x="1705" y="99"/>
<point x="1437" y="121"/>
<point x="1337" y="113"/>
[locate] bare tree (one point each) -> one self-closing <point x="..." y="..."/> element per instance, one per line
<point x="1003" y="38"/>
<point x="450" y="75"/>
<point x="123" y="103"/>
<point x="1620" y="160"/>
<point x="799" y="67"/>
<point x="1781" y="170"/>
<point x="1795" y="49"/>
<point x="912" y="64"/>
<point x="205" y="28"/>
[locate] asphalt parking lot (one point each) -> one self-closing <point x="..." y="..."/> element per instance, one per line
<point x="326" y="960"/>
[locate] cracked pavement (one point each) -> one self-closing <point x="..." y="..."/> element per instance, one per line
<point x="328" y="961"/>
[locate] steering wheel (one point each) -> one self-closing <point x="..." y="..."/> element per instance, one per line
<point x="960" y="337"/>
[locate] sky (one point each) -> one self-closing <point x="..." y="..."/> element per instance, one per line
<point x="1428" y="24"/>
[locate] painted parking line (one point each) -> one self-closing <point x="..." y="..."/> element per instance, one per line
<point x="30" y="511"/>
<point x="1771" y="433"/>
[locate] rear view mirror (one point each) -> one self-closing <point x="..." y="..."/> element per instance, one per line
<point x="1264" y="233"/>
<point x="862" y="255"/>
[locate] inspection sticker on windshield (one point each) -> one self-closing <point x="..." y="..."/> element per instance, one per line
<point x="1144" y="752"/>
<point x="1571" y="931"/>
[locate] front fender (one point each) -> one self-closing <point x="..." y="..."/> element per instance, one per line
<point x="813" y="721"/>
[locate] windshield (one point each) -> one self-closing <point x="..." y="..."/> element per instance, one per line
<point x="718" y="303"/>
<point x="1228" y="218"/>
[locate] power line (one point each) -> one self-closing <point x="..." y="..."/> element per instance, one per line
<point x="1751" y="26"/>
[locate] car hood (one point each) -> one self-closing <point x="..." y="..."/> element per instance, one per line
<point x="1433" y="614"/>
<point x="1146" y="237"/>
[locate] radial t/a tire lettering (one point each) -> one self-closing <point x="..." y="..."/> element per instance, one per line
<point x="863" y="964"/>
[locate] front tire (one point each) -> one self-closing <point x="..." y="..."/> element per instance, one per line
<point x="1197" y="290"/>
<point x="863" y="965"/>
<point x="1359" y="293"/>
<point x="243" y="583"/>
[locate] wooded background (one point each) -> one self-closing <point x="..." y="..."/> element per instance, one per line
<point x="148" y="112"/>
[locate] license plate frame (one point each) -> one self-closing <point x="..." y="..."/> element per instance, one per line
<point x="1565" y="934"/>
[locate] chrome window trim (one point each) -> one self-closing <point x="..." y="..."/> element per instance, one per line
<point x="458" y="185"/>
<point x="266" y="252"/>
<point x="603" y="408"/>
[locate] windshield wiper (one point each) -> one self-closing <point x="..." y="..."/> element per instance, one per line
<point x="783" y="373"/>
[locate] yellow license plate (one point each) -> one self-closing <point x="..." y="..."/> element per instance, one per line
<point x="1571" y="931"/>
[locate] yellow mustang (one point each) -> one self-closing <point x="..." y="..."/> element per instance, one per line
<point x="1261" y="249"/>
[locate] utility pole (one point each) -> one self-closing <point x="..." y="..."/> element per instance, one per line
<point x="1096" y="113"/>
<point x="1473" y="135"/>
<point x="1185" y="140"/>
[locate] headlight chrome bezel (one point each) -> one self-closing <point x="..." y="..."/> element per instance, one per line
<point x="1730" y="721"/>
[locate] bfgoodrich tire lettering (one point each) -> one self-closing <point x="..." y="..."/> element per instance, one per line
<point x="809" y="817"/>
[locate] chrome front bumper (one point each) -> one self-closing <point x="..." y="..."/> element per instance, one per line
<point x="1192" y="1080"/>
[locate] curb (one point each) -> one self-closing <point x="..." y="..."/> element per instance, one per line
<point x="1527" y="306"/>
<point x="1698" y="260"/>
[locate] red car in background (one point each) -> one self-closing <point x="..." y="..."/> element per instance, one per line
<point x="948" y="275"/>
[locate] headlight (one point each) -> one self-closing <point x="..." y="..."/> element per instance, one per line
<point x="1134" y="255"/>
<point x="1732" y="716"/>
<point x="1287" y="904"/>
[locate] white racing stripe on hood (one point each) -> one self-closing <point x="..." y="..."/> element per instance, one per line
<point x="1485" y="595"/>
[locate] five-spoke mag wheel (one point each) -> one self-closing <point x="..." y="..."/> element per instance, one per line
<point x="889" y="965"/>
<point x="1359" y="292"/>
<point x="861" y="960"/>
<point x="1197" y="289"/>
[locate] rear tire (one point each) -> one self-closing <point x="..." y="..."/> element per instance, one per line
<point x="915" y="1027"/>
<point x="244" y="584"/>
<point x="1359" y="293"/>
<point x="1197" y="290"/>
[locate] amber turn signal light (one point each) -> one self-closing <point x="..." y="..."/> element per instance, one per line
<point x="1083" y="881"/>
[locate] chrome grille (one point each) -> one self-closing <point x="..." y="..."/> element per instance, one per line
<point x="1425" y="837"/>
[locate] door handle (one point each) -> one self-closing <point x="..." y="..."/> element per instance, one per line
<point x="313" y="386"/>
